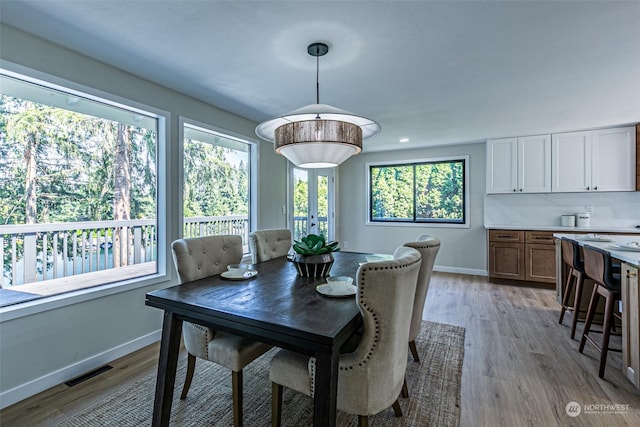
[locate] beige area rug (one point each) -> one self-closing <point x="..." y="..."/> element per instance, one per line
<point x="434" y="387"/>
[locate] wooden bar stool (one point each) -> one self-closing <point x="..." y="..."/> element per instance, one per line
<point x="575" y="277"/>
<point x="597" y="265"/>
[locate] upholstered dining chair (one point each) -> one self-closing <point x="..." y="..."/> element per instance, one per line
<point x="428" y="248"/>
<point x="269" y="244"/>
<point x="371" y="377"/>
<point x="195" y="259"/>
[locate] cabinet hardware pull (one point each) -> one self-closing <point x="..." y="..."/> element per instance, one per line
<point x="514" y="190"/>
<point x="588" y="188"/>
<point x="631" y="274"/>
<point x="507" y="236"/>
<point x="521" y="190"/>
<point x="595" y="188"/>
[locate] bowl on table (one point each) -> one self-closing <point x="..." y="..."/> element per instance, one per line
<point x="238" y="269"/>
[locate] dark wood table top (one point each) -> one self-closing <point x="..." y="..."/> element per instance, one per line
<point x="276" y="306"/>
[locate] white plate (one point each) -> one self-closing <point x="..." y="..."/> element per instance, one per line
<point x="628" y="246"/>
<point x="596" y="238"/>
<point x="337" y="290"/>
<point x="249" y="274"/>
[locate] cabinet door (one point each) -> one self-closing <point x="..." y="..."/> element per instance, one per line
<point x="540" y="262"/>
<point x="534" y="164"/>
<point x="571" y="162"/>
<point x="506" y="260"/>
<point x="502" y="163"/>
<point x="613" y="159"/>
<point x="630" y="295"/>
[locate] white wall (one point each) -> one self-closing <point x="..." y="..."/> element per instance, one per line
<point x="46" y="348"/>
<point x="463" y="249"/>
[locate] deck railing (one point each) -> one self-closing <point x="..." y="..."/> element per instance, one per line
<point x="38" y="252"/>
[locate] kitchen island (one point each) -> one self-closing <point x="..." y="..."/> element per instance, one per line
<point x="630" y="295"/>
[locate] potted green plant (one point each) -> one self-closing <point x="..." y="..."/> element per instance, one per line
<point x="313" y="257"/>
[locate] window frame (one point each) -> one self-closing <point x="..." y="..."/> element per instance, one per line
<point x="413" y="222"/>
<point x="253" y="167"/>
<point x="163" y="189"/>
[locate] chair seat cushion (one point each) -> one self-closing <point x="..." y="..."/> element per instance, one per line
<point x="235" y="352"/>
<point x="292" y="371"/>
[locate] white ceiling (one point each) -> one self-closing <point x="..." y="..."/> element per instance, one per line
<point x="437" y="73"/>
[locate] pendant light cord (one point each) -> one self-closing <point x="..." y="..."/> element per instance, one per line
<point x="317" y="75"/>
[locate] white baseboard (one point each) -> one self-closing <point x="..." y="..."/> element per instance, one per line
<point x="23" y="391"/>
<point x="467" y="271"/>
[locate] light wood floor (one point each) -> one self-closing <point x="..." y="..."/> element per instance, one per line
<point x="520" y="366"/>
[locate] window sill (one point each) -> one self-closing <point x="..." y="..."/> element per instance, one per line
<point x="65" y="291"/>
<point x="417" y="224"/>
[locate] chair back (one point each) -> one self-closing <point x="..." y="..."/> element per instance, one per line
<point x="428" y="249"/>
<point x="200" y="257"/>
<point x="571" y="253"/>
<point x="597" y="265"/>
<point x="269" y="244"/>
<point x="371" y="377"/>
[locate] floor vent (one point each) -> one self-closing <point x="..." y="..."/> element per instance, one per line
<point x="88" y="375"/>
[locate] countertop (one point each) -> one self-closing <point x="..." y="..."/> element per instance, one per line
<point x="630" y="257"/>
<point x="559" y="228"/>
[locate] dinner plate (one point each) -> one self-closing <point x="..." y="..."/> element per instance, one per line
<point x="249" y="274"/>
<point x="627" y="246"/>
<point x="336" y="289"/>
<point x="597" y="238"/>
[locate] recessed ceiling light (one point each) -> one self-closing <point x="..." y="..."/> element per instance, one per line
<point x="404" y="139"/>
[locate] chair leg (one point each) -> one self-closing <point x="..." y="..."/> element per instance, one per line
<point x="236" y="390"/>
<point x="276" y="404"/>
<point x="414" y="351"/>
<point x="191" y="366"/>
<point x="591" y="311"/>
<point x="576" y="303"/>
<point x="606" y="332"/>
<point x="363" y="421"/>
<point x="565" y="296"/>
<point x="405" y="389"/>
<point x="396" y="408"/>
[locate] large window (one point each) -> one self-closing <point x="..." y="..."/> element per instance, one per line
<point x="429" y="191"/>
<point x="77" y="190"/>
<point x="216" y="196"/>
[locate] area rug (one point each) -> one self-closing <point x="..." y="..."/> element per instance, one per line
<point x="434" y="387"/>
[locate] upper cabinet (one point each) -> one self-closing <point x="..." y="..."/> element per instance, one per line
<point x="598" y="160"/>
<point x="519" y="165"/>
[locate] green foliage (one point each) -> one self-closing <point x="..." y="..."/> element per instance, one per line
<point x="313" y="244"/>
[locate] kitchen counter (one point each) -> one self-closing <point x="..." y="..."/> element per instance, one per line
<point x="630" y="257"/>
<point x="559" y="228"/>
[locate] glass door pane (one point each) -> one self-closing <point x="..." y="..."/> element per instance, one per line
<point x="312" y="198"/>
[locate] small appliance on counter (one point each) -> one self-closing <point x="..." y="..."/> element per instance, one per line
<point x="583" y="219"/>
<point x="568" y="220"/>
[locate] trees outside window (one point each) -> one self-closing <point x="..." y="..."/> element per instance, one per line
<point x="428" y="191"/>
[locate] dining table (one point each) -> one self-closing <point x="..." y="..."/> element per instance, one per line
<point x="276" y="306"/>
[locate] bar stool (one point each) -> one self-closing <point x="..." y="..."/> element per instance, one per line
<point x="597" y="265"/>
<point x="575" y="276"/>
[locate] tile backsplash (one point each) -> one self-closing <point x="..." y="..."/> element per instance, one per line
<point x="611" y="209"/>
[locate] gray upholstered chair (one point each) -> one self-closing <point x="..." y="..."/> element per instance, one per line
<point x="428" y="248"/>
<point x="195" y="259"/>
<point x="371" y="377"/>
<point x="269" y="244"/>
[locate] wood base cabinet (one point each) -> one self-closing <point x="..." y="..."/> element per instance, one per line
<point x="522" y="255"/>
<point x="630" y="297"/>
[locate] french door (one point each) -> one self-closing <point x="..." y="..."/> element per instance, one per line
<point x="311" y="202"/>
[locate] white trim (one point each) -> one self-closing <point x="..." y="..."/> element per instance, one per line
<point x="467" y="193"/>
<point x="458" y="270"/>
<point x="23" y="391"/>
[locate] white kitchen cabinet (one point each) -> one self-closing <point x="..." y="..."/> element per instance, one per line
<point x="519" y="165"/>
<point x="598" y="160"/>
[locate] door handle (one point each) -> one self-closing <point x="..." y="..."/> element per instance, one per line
<point x="313" y="224"/>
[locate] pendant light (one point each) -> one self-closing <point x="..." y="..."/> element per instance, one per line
<point x="317" y="135"/>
